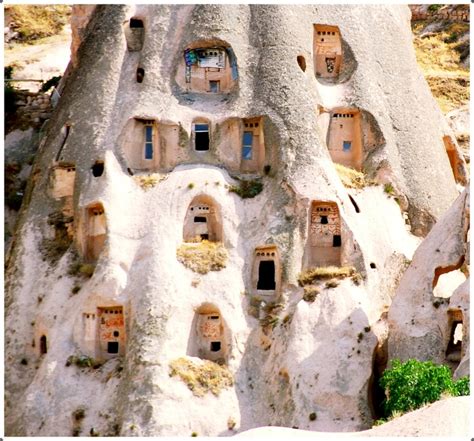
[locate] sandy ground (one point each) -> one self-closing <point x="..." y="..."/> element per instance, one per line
<point x="47" y="58"/>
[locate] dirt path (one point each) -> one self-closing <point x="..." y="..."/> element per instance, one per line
<point x="47" y="58"/>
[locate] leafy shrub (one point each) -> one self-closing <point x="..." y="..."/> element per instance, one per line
<point x="414" y="383"/>
<point x="461" y="387"/>
<point x="247" y="188"/>
<point x="351" y="178"/>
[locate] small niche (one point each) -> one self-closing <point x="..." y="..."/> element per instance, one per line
<point x="344" y="139"/>
<point x="202" y="221"/>
<point x="62" y="180"/>
<point x="372" y="265"/>
<point x="301" y="62"/>
<point x="208" y="339"/>
<point x="454" y="347"/>
<point x="111" y="331"/>
<point x="96" y="230"/>
<point x="327" y="50"/>
<point x="207" y="67"/>
<point x="140" y="74"/>
<point x="253" y="146"/>
<point x="43" y="345"/>
<point x="325" y="240"/>
<point x="266" y="271"/>
<point x="97" y="169"/>
<point x="135" y="34"/>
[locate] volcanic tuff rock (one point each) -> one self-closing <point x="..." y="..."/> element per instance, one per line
<point x="289" y="358"/>
<point x="424" y="314"/>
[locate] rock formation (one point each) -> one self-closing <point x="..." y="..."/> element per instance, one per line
<point x="429" y="316"/>
<point x="184" y="194"/>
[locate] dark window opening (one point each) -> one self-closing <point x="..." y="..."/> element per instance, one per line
<point x="97" y="169"/>
<point x="43" y="345"/>
<point x="112" y="347"/>
<point x="116" y="333"/>
<point x="214" y="86"/>
<point x="266" y="275"/>
<point x="136" y="23"/>
<point x="346" y="145"/>
<point x="354" y="203"/>
<point x="214" y="317"/>
<point x="129" y="170"/>
<point x="336" y="240"/>
<point x="204" y="236"/>
<point x="372" y="265"/>
<point x="201" y="137"/>
<point x="453" y="351"/>
<point x="324" y="219"/>
<point x="140" y="74"/>
<point x="330" y="64"/>
<point x="199" y="219"/>
<point x="215" y="346"/>
<point x="301" y="62"/>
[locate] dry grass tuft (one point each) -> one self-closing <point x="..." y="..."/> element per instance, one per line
<point x="327" y="272"/>
<point x="37" y="21"/>
<point x="310" y="293"/>
<point x="147" y="182"/>
<point x="202" y="257"/>
<point x="352" y="178"/>
<point x="202" y="378"/>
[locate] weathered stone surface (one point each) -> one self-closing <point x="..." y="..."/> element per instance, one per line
<point x="310" y="357"/>
<point x="419" y="321"/>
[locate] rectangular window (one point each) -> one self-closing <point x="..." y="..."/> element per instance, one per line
<point x="336" y="240"/>
<point x="112" y="347"/>
<point x="214" y="86"/>
<point x="148" y="142"/>
<point x="266" y="275"/>
<point x="201" y="137"/>
<point x="200" y="219"/>
<point x="247" y="145"/>
<point x="215" y="346"/>
<point x="346" y="145"/>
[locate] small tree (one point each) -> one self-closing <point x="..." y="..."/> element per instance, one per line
<point x="414" y="383"/>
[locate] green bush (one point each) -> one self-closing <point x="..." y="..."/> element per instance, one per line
<point x="462" y="387"/>
<point x="434" y="8"/>
<point x="414" y="383"/>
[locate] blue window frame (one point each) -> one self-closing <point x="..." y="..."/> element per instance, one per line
<point x="148" y="142"/>
<point x="247" y="145"/>
<point x="346" y="145"/>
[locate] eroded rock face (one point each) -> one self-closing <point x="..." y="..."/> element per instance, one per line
<point x="120" y="220"/>
<point x="80" y="16"/>
<point x="426" y="323"/>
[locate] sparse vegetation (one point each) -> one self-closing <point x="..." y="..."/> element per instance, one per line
<point x="148" y="181"/>
<point x="312" y="416"/>
<point x="203" y="256"/>
<point x="331" y="283"/>
<point x="247" y="188"/>
<point x="356" y="278"/>
<point x="190" y="185"/>
<point x="414" y="383"/>
<point x="231" y="423"/>
<point x="77" y="268"/>
<point x="327" y="272"/>
<point x="440" y="55"/>
<point x="75" y="289"/>
<point x="79" y="413"/>
<point x="388" y="188"/>
<point x="310" y="293"/>
<point x="83" y="361"/>
<point x="202" y="378"/>
<point x="352" y="178"/>
<point x="34" y="21"/>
